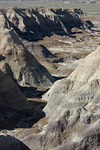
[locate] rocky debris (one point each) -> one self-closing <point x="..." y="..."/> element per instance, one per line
<point x="10" y="143"/>
<point x="34" y="24"/>
<point x="25" y="68"/>
<point x="38" y="50"/>
<point x="74" y="103"/>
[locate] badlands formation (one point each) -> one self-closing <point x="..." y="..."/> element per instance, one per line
<point x="34" y="24"/>
<point x="25" y="68"/>
<point x="49" y="79"/>
<point x="74" y="103"/>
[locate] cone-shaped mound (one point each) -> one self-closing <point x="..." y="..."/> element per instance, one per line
<point x="26" y="69"/>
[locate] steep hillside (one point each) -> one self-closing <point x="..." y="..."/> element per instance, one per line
<point x="26" y="69"/>
<point x="73" y="111"/>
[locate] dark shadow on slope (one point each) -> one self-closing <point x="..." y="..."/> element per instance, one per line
<point x="29" y="120"/>
<point x="80" y="32"/>
<point x="38" y="106"/>
<point x="32" y="92"/>
<point x="59" y="78"/>
<point x="11" y="143"/>
<point x="11" y="118"/>
<point x="95" y="30"/>
<point x="46" y="26"/>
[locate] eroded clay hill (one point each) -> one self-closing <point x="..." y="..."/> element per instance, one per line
<point x="34" y="24"/>
<point x="25" y="68"/>
<point x="73" y="111"/>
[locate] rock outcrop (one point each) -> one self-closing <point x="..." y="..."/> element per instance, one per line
<point x="25" y="68"/>
<point x="34" y="24"/>
<point x="73" y="111"/>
